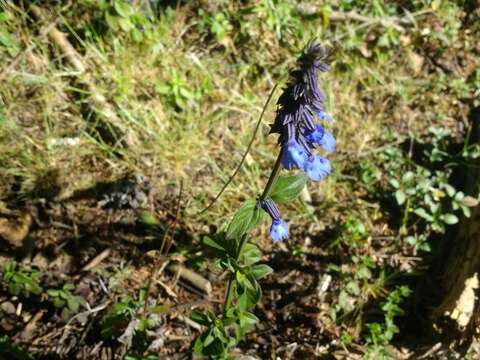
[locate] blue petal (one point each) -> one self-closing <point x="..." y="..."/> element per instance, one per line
<point x="321" y="137"/>
<point x="317" y="168"/>
<point x="294" y="156"/>
<point x="315" y="136"/>
<point x="322" y="115"/>
<point x="328" y="142"/>
<point x="279" y="230"/>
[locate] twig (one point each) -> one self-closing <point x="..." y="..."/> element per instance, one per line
<point x="352" y="15"/>
<point x="431" y="351"/>
<point x="89" y="311"/>
<point x="96" y="260"/>
<point x="192" y="277"/>
<point x="169" y="239"/>
<point x="27" y="333"/>
<point x="257" y="126"/>
<point x="167" y="289"/>
<point x="190" y="322"/>
<point x="166" y="239"/>
<point x="99" y="104"/>
<point x="396" y="22"/>
<point x="61" y="41"/>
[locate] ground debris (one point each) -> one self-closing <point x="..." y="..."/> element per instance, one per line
<point x="133" y="192"/>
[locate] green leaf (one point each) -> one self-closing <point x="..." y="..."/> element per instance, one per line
<point x="148" y="218"/>
<point x="198" y="346"/>
<point x="212" y="243"/>
<point x="52" y="292"/>
<point x="250" y="319"/>
<point x="7" y="40"/>
<point x="249" y="298"/>
<point x="208" y="339"/>
<point x="111" y="20"/>
<point x="394" y="183"/>
<point x="199" y="317"/>
<point x="408" y="176"/>
<point x="251" y="254"/>
<point x="260" y="271"/>
<point x="122" y="8"/>
<point x="400" y="196"/>
<point x="73" y="303"/>
<point x="68" y="286"/>
<point x="125" y="24"/>
<point x="58" y="303"/>
<point x="14" y="289"/>
<point x="450" y="189"/>
<point x="287" y="188"/>
<point x="243" y="280"/>
<point x="34" y="288"/>
<point x="245" y="219"/>
<point x="423" y="214"/>
<point x="450" y="219"/>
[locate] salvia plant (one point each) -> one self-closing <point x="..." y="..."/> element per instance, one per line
<point x="299" y="106"/>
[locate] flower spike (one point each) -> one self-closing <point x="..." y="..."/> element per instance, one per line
<point x="300" y="103"/>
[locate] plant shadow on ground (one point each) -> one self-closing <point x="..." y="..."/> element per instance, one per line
<point x="67" y="235"/>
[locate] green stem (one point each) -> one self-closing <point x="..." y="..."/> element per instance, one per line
<point x="257" y="126"/>
<point x="271" y="181"/>
<point x="273" y="176"/>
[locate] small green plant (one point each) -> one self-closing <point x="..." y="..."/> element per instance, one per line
<point x="361" y="286"/>
<point x="21" y="279"/>
<point x="7" y="39"/>
<point x="380" y="334"/>
<point x="216" y="24"/>
<point x="177" y="91"/>
<point x="352" y="234"/>
<point x="120" y="15"/>
<point x="426" y="193"/>
<point x="64" y="299"/>
<point x="120" y="314"/>
<point x="368" y="172"/>
<point x="10" y="350"/>
<point x="279" y="17"/>
<point x="129" y="313"/>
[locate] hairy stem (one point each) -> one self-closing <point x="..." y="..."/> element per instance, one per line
<point x="273" y="176"/>
<point x="271" y="181"/>
<point x="257" y="126"/>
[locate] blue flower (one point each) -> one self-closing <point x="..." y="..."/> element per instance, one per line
<point x="320" y="136"/>
<point x="279" y="230"/>
<point x="301" y="102"/>
<point x="294" y="155"/>
<point x="317" y="167"/>
<point x="322" y="115"/>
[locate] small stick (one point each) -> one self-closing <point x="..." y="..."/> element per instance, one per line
<point x="257" y="126"/>
<point x="98" y="103"/>
<point x="169" y="239"/>
<point x="160" y="259"/>
<point x="96" y="260"/>
<point x="27" y="333"/>
<point x="192" y="277"/>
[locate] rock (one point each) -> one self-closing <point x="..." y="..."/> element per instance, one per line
<point x="14" y="228"/>
<point x="8" y="307"/>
